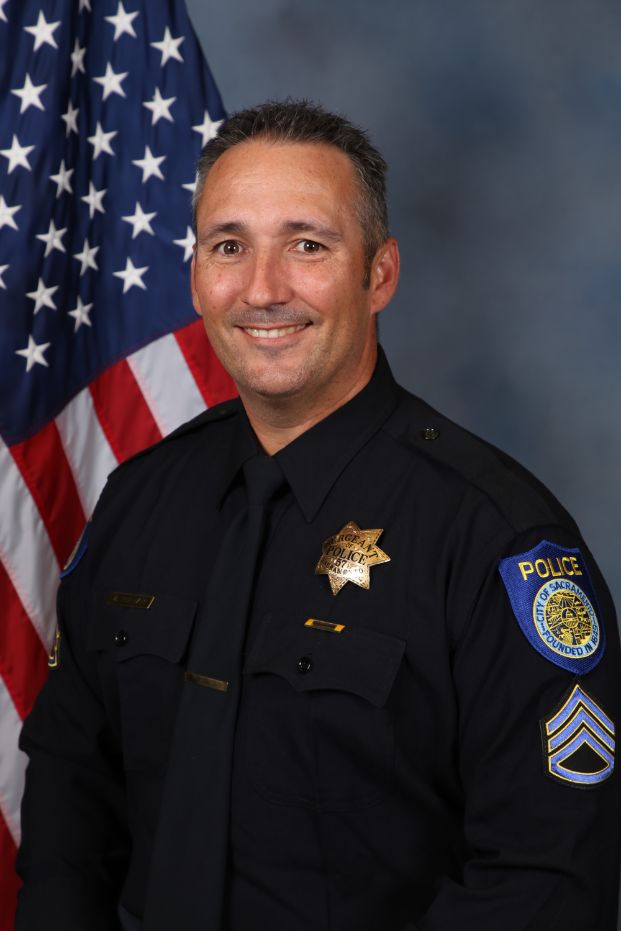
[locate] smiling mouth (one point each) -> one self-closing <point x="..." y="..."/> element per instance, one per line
<point x="273" y="332"/>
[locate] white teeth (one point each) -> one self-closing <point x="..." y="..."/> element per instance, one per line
<point x="275" y="332"/>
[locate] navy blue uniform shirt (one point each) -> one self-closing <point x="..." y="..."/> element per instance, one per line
<point x="405" y="764"/>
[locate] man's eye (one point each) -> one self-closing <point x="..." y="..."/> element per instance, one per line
<point x="229" y="247"/>
<point x="309" y="246"/>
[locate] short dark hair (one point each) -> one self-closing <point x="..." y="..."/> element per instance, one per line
<point x="292" y="121"/>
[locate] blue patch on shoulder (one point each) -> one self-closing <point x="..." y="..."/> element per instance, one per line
<point x="77" y="553"/>
<point x="553" y="600"/>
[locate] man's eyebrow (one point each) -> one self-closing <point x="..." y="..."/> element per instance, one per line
<point x="310" y="227"/>
<point x="232" y="227"/>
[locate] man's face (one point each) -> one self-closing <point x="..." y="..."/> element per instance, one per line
<point x="279" y="269"/>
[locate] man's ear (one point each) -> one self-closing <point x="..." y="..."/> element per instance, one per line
<point x="384" y="274"/>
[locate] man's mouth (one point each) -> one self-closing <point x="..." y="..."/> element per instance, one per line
<point x="273" y="332"/>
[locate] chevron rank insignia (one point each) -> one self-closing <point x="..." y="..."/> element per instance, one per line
<point x="579" y="741"/>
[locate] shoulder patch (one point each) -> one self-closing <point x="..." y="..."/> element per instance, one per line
<point x="554" y="603"/>
<point x="77" y="553"/>
<point x="578" y="741"/>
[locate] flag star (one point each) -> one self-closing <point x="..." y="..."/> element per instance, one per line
<point x="3" y="268"/>
<point x="43" y="32"/>
<point x="150" y="165"/>
<point x="186" y="244"/>
<point x="29" y="94"/>
<point x="87" y="257"/>
<point x="77" y="58"/>
<point x="63" y="179"/>
<point x="3" y="3"/>
<point x="81" y="315"/>
<point x="33" y="353"/>
<point x="132" y="276"/>
<point x="122" y="22"/>
<point x="43" y="296"/>
<point x="169" y="47"/>
<point x="111" y="82"/>
<point x="140" y="221"/>
<point x="208" y="128"/>
<point x="71" y="118"/>
<point x="6" y="214"/>
<point x="53" y="239"/>
<point x="159" y="107"/>
<point x="17" y="155"/>
<point x="85" y="5"/>
<point x="94" y="199"/>
<point x="191" y="187"/>
<point x="101" y="141"/>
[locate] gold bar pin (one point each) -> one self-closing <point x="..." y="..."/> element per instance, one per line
<point x="130" y="600"/>
<point x="324" y="625"/>
<point x="220" y="685"/>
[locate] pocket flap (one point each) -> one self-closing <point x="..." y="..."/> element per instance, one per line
<point x="127" y="627"/>
<point x="357" y="660"/>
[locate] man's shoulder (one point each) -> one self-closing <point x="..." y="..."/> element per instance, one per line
<point x="458" y="456"/>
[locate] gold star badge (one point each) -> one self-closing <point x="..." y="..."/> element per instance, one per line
<point x="348" y="556"/>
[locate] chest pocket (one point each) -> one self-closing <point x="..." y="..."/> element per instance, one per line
<point x="317" y="725"/>
<point x="145" y="647"/>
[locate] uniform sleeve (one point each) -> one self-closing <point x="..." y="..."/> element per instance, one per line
<point x="74" y="848"/>
<point x="542" y="850"/>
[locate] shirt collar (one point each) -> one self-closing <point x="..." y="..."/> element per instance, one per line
<point x="313" y="461"/>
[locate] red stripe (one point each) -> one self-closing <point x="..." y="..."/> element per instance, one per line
<point x="9" y="883"/>
<point x="23" y="660"/>
<point x="213" y="382"/>
<point x="42" y="462"/>
<point x="123" y="413"/>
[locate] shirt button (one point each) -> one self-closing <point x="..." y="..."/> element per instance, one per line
<point x="305" y="664"/>
<point x="430" y="433"/>
<point x="120" y="638"/>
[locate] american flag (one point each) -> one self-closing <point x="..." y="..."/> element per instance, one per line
<point x="104" y="107"/>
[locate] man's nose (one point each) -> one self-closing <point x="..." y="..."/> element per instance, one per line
<point x="267" y="283"/>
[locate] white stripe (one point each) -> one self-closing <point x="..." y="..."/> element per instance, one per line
<point x="25" y="549"/>
<point x="12" y="763"/>
<point x="88" y="452"/>
<point x="167" y="383"/>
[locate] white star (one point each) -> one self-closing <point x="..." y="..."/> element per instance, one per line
<point x="77" y="58"/>
<point x="43" y="296"/>
<point x="87" y="257"/>
<point x="132" y="276"/>
<point x="33" y="354"/>
<point x="63" y="179"/>
<point x="17" y="155"/>
<point x="140" y="221"/>
<point x="122" y="22"/>
<point x="94" y="199"/>
<point x="6" y="214"/>
<point x="208" y="129"/>
<point x="101" y="141"/>
<point x="150" y="165"/>
<point x="191" y="187"/>
<point x="71" y="118"/>
<point x="169" y="47"/>
<point x="111" y="82"/>
<point x="85" y="5"/>
<point x="29" y="94"/>
<point x="186" y="244"/>
<point x="160" y="107"/>
<point x="3" y="268"/>
<point x="3" y="3"/>
<point x="53" y="239"/>
<point x="43" y="32"/>
<point x="81" y="315"/>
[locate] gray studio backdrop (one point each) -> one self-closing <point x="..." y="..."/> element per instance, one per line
<point x="501" y="123"/>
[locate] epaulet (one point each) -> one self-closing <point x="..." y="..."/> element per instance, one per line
<point x="521" y="498"/>
<point x="215" y="414"/>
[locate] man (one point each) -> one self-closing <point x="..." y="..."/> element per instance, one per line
<point x="379" y="694"/>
